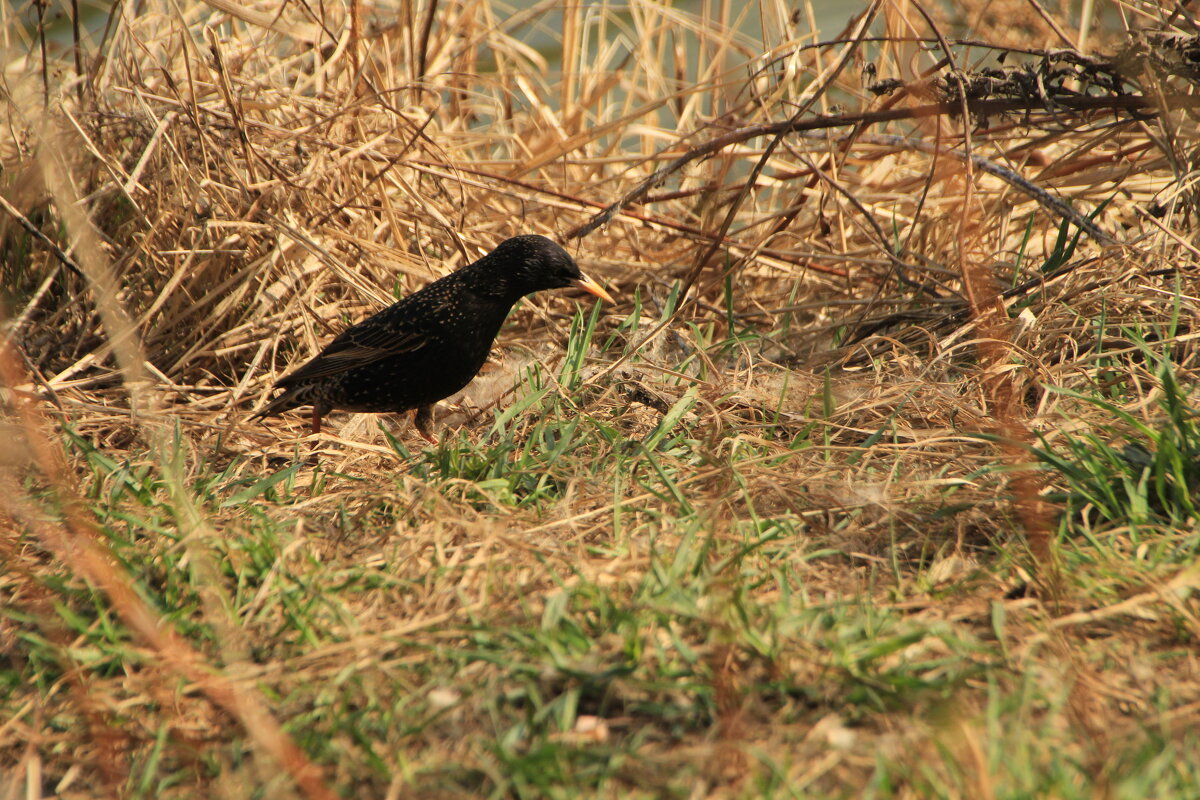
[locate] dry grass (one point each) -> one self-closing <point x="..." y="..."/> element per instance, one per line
<point x="875" y="482"/>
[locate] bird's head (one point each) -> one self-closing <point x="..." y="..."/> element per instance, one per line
<point x="527" y="264"/>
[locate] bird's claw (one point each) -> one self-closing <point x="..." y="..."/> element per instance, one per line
<point x="423" y="420"/>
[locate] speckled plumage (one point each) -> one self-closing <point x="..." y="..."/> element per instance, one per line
<point x="432" y="343"/>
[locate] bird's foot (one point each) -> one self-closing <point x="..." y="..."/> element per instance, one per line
<point x="423" y="420"/>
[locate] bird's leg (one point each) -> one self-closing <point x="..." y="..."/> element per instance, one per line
<point x="423" y="420"/>
<point x="316" y="419"/>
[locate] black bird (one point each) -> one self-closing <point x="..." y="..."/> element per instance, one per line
<point x="432" y="343"/>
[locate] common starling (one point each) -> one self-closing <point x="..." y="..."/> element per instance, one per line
<point x="432" y="343"/>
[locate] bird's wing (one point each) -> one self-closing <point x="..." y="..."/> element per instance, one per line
<point x="402" y="328"/>
<point x="358" y="347"/>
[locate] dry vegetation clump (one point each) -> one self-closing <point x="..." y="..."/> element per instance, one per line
<point x="879" y="479"/>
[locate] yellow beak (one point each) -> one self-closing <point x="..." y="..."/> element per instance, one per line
<point x="591" y="287"/>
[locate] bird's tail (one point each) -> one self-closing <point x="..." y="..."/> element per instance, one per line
<point x="291" y="398"/>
